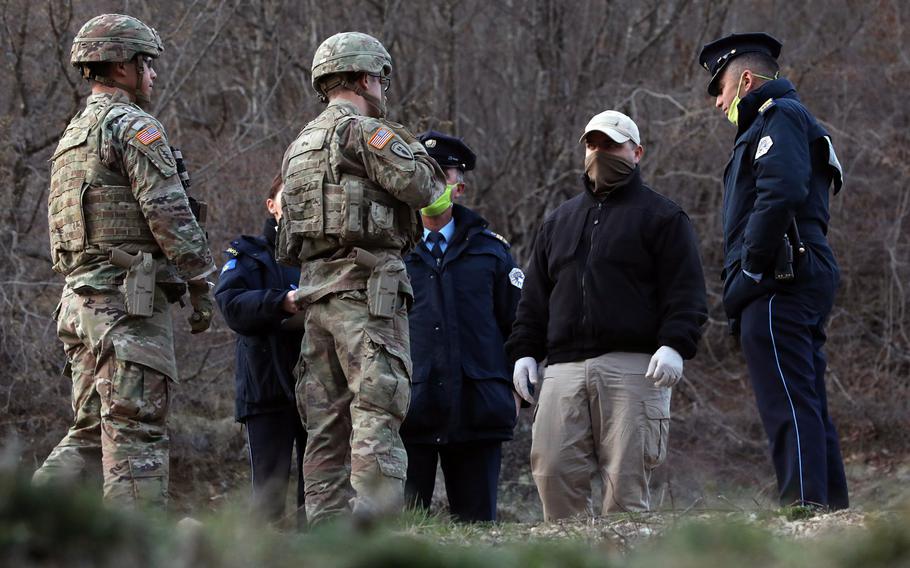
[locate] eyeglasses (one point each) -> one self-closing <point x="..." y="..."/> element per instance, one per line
<point x="386" y="82"/>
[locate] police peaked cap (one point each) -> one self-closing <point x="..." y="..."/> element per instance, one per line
<point x="717" y="54"/>
<point x="448" y="151"/>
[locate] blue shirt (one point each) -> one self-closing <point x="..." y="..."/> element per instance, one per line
<point x="447" y="233"/>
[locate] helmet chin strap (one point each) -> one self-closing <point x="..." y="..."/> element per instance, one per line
<point x="378" y="104"/>
<point x="139" y="97"/>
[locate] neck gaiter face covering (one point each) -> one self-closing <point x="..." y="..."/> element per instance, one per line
<point x="607" y="171"/>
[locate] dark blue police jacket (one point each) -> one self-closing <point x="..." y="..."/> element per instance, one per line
<point x="782" y="165"/>
<point x="249" y="294"/>
<point x="463" y="312"/>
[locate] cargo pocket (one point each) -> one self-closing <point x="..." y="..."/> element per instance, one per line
<point x="385" y="380"/>
<point x="394" y="463"/>
<point x="138" y="393"/>
<point x="150" y="478"/>
<point x="656" y="433"/>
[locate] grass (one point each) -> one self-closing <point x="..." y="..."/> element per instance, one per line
<point x="59" y="527"/>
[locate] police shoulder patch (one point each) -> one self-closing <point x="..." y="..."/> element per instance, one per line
<point x="765" y="106"/>
<point x="763" y="146"/>
<point x="517" y="277"/>
<point x="229" y="265"/>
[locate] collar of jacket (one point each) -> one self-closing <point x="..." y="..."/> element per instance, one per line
<point x="348" y="106"/>
<point x="633" y="183"/>
<point x="467" y="223"/>
<point x="748" y="107"/>
<point x="269" y="232"/>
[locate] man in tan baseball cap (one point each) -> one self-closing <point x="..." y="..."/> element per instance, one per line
<point x="614" y="300"/>
<point x="614" y="124"/>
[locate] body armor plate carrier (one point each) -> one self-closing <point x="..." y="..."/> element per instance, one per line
<point x="90" y="206"/>
<point x="327" y="211"/>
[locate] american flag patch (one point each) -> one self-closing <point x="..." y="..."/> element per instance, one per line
<point x="148" y="135"/>
<point x="381" y="138"/>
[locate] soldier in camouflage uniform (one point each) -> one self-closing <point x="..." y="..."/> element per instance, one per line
<point x="123" y="234"/>
<point x="353" y="183"/>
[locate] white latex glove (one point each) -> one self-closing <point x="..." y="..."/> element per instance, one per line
<point x="666" y="367"/>
<point x="525" y="373"/>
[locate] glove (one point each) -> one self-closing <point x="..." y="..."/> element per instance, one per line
<point x="525" y="377"/>
<point x="203" y="305"/>
<point x="666" y="367"/>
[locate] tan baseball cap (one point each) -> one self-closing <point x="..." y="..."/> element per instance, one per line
<point x="619" y="127"/>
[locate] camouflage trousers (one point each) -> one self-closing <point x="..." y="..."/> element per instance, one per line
<point x="353" y="389"/>
<point x="120" y="367"/>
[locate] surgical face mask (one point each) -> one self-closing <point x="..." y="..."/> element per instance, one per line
<point x="733" y="110"/>
<point x="439" y="206"/>
<point x="607" y="171"/>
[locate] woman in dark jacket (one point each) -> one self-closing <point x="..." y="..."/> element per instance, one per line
<point x="254" y="296"/>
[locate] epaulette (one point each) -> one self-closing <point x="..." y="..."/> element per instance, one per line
<point x="231" y="252"/>
<point x="765" y="106"/>
<point x="497" y="236"/>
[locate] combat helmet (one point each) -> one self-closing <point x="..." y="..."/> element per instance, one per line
<point x="349" y="52"/>
<point x="114" y="38"/>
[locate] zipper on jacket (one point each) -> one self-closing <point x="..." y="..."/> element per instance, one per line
<point x="584" y="272"/>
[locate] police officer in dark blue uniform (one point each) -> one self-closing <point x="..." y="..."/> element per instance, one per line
<point x="780" y="275"/>
<point x="466" y="289"/>
<point x="255" y="294"/>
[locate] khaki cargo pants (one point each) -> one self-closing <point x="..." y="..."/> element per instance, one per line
<point x="601" y="416"/>
<point x="120" y="367"/>
<point x="353" y="390"/>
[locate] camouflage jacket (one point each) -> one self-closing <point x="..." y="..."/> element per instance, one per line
<point x="358" y="147"/>
<point x="131" y="146"/>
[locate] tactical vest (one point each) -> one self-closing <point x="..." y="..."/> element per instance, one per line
<point x="90" y="206"/>
<point x="328" y="210"/>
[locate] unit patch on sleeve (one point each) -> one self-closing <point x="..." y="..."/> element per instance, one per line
<point x="148" y="135"/>
<point x="763" y="146"/>
<point x="517" y="278"/>
<point x="400" y="150"/>
<point x="380" y="138"/>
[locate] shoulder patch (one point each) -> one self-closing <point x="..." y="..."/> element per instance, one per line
<point x="399" y="149"/>
<point x="148" y="134"/>
<point x="381" y="137"/>
<point x="229" y="265"/>
<point x="232" y="251"/>
<point x="765" y="106"/>
<point x="763" y="146"/>
<point x="517" y="277"/>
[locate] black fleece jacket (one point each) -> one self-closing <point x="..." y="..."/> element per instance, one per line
<point x="619" y="273"/>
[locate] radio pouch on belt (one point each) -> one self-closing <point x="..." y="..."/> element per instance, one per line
<point x="139" y="285"/>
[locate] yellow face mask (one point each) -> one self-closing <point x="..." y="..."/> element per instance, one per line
<point x="441" y="204"/>
<point x="733" y="111"/>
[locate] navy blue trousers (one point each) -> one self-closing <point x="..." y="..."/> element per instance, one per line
<point x="782" y="336"/>
<point x="272" y="437"/>
<point x="471" y="472"/>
